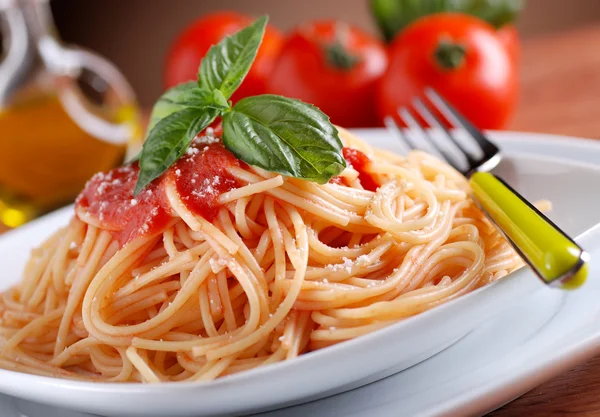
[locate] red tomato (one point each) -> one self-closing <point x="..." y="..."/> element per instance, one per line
<point x="108" y="198"/>
<point x="509" y="36"/>
<point x="334" y="66"/>
<point x="193" y="43"/>
<point x="462" y="58"/>
<point x="361" y="162"/>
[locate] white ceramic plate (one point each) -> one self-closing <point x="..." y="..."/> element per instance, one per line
<point x="349" y="364"/>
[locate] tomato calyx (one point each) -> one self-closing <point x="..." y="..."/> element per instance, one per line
<point x="337" y="54"/>
<point x="449" y="55"/>
<point x="339" y="57"/>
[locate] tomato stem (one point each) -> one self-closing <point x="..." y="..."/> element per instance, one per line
<point x="449" y="55"/>
<point x="336" y="52"/>
<point x="338" y="57"/>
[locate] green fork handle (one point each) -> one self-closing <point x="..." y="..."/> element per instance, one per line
<point x="553" y="256"/>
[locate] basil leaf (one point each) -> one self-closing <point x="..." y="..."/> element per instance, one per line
<point x="219" y="100"/>
<point x="393" y="15"/>
<point x="178" y="98"/>
<point x="168" y="140"/>
<point x="284" y="135"/>
<point x="226" y="64"/>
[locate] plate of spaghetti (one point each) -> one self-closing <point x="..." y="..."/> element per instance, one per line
<point x="274" y="261"/>
<point x="287" y="281"/>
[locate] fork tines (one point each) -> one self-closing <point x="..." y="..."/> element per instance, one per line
<point x="440" y="120"/>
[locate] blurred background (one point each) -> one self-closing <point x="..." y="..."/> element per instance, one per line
<point x="68" y="112"/>
<point x="136" y="34"/>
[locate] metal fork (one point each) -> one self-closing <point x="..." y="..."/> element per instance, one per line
<point x="555" y="258"/>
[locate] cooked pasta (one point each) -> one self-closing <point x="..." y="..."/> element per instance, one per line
<point x="260" y="270"/>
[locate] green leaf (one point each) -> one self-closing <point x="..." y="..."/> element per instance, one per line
<point x="185" y="110"/>
<point x="180" y="97"/>
<point x="219" y="99"/>
<point x="394" y="15"/>
<point x="226" y="64"/>
<point x="168" y="140"/>
<point x="284" y="135"/>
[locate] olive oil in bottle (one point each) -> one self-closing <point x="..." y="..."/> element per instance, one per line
<point x="65" y="114"/>
<point x="45" y="158"/>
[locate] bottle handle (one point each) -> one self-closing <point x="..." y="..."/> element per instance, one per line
<point x="67" y="64"/>
<point x="77" y="105"/>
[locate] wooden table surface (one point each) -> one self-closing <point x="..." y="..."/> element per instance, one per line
<point x="560" y="93"/>
<point x="560" y="84"/>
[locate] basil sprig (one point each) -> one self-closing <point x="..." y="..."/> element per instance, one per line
<point x="275" y="133"/>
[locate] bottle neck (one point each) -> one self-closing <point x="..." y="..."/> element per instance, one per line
<point x="43" y="33"/>
<point x="39" y="17"/>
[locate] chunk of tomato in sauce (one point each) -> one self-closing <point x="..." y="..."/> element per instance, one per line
<point x="360" y="162"/>
<point x="108" y="197"/>
<point x="202" y="175"/>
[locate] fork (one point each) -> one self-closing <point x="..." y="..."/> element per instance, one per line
<point x="554" y="257"/>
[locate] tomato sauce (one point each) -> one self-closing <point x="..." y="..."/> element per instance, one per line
<point x="360" y="162"/>
<point x="200" y="177"/>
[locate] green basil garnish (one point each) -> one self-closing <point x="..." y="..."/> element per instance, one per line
<point x="275" y="133"/>
<point x="284" y="136"/>
<point x="169" y="140"/>
<point x="182" y="96"/>
<point x="226" y="64"/>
